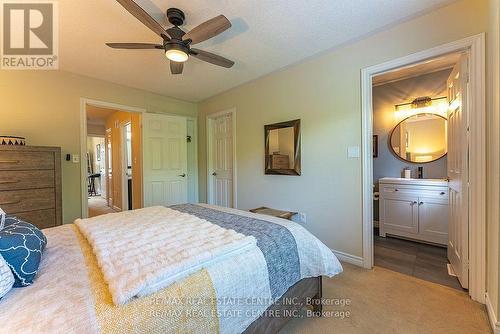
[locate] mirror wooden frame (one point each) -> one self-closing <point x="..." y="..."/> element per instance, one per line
<point x="400" y="157"/>
<point x="297" y="151"/>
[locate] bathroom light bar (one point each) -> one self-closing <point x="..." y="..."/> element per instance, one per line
<point x="438" y="106"/>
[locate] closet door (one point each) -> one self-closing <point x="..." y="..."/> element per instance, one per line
<point x="165" y="160"/>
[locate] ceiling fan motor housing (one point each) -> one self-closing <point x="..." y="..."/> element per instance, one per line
<point x="175" y="45"/>
<point x="175" y="16"/>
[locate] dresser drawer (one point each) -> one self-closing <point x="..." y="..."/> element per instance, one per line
<point x="39" y="218"/>
<point x="21" y="160"/>
<point x="15" y="201"/>
<point x="13" y="180"/>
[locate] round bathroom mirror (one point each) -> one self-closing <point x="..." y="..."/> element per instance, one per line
<point x="420" y="138"/>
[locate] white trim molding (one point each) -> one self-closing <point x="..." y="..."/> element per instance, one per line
<point x="83" y="142"/>
<point x="475" y="46"/>
<point x="194" y="140"/>
<point x="495" y="325"/>
<point x="209" y="118"/>
<point x="349" y="258"/>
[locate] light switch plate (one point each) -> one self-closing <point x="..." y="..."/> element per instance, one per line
<point x="353" y="152"/>
<point x="76" y="158"/>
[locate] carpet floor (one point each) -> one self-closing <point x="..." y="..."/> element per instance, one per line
<point x="384" y="301"/>
<point x="98" y="206"/>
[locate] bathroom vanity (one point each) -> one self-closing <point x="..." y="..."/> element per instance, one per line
<point x="414" y="208"/>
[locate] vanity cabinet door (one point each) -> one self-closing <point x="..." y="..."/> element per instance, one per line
<point x="433" y="219"/>
<point x="400" y="213"/>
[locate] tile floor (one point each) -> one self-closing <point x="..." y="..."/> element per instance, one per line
<point x="420" y="260"/>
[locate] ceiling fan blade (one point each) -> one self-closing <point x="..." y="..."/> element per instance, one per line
<point x="207" y="29"/>
<point x="144" y="17"/>
<point x="176" y="68"/>
<point x="212" y="58"/>
<point x="132" y="46"/>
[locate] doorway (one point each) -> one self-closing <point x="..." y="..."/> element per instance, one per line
<point x="474" y="47"/>
<point x="119" y="154"/>
<point x="221" y="152"/>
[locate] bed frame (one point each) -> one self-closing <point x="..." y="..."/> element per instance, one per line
<point x="269" y="323"/>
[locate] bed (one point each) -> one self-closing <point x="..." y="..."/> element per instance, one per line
<point x="255" y="290"/>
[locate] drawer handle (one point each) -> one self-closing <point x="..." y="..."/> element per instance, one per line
<point x="421" y="203"/>
<point x="11" y="202"/>
<point x="442" y="193"/>
<point x="9" y="161"/>
<point x="9" y="181"/>
<point x="396" y="189"/>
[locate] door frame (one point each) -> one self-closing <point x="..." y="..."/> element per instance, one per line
<point x="83" y="142"/>
<point x="195" y="141"/>
<point x="475" y="45"/>
<point x="210" y="162"/>
<point x="124" y="165"/>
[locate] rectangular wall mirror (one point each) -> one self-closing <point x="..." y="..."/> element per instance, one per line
<point x="283" y="148"/>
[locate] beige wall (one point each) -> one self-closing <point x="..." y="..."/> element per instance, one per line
<point x="493" y="181"/>
<point x="44" y="107"/>
<point x="324" y="92"/>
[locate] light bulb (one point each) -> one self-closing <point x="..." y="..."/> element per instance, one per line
<point x="176" y="55"/>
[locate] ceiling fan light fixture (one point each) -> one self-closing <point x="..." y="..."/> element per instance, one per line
<point x="178" y="56"/>
<point x="177" y="53"/>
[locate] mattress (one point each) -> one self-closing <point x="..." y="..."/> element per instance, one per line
<point x="70" y="294"/>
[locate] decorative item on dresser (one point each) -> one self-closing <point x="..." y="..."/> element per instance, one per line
<point x="414" y="208"/>
<point x="30" y="184"/>
<point x="273" y="212"/>
<point x="11" y="140"/>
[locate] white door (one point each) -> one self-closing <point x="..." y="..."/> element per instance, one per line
<point x="220" y="190"/>
<point x="165" y="160"/>
<point x="458" y="148"/>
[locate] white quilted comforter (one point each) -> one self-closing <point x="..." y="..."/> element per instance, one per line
<point x="145" y="250"/>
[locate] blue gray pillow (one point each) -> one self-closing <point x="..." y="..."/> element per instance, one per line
<point x="21" y="245"/>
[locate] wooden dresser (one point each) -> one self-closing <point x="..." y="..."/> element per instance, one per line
<point x="30" y="184"/>
<point x="280" y="161"/>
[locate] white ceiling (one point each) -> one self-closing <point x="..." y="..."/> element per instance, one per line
<point x="266" y="36"/>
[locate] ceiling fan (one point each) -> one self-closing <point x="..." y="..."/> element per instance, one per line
<point x="177" y="43"/>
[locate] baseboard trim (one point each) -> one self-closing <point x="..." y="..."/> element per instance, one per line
<point x="495" y="325"/>
<point x="349" y="258"/>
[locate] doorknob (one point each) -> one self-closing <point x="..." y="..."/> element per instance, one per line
<point x="183" y="175"/>
<point x="214" y="173"/>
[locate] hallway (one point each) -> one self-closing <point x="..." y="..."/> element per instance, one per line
<point x="98" y="206"/>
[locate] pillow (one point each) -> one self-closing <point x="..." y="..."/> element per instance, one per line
<point x="6" y="278"/>
<point x="2" y="219"/>
<point x="21" y="245"/>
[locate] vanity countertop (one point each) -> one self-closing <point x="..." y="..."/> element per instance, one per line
<point x="422" y="182"/>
